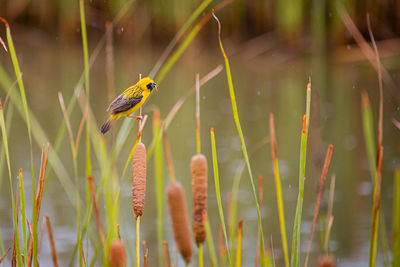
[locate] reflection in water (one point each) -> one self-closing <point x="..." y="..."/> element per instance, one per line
<point x="277" y="88"/>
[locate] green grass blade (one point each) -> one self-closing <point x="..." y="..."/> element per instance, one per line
<point x="396" y="218"/>
<point x="278" y="189"/>
<point x="295" y="261"/>
<point x="178" y="36"/>
<point x="210" y="243"/>
<point x="178" y="53"/>
<point x="240" y="133"/>
<point x="218" y="191"/>
<point x="23" y="216"/>
<point x="21" y="86"/>
<point x="368" y="127"/>
<point x="159" y="188"/>
<point x="39" y="136"/>
<point x="5" y="145"/>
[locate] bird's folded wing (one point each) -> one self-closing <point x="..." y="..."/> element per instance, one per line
<point x="121" y="104"/>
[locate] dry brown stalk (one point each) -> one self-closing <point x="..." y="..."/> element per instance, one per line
<point x="180" y="220"/>
<point x="319" y="197"/>
<point x="5" y="255"/>
<point x="52" y="243"/>
<point x="198" y="168"/>
<point x="41" y="181"/>
<point x="326" y="261"/>
<point x="30" y="250"/>
<point x="365" y="47"/>
<point x="117" y="254"/>
<point x="167" y="261"/>
<point x="139" y="179"/>
<point x="96" y="210"/>
<point x="83" y="255"/>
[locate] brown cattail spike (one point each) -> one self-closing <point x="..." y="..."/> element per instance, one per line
<point x="198" y="167"/>
<point x="180" y="220"/>
<point x="117" y="254"/>
<point x="326" y="261"/>
<point x="139" y="179"/>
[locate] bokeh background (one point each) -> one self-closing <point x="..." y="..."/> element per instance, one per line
<point x="274" y="48"/>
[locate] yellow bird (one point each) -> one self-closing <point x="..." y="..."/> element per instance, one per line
<point x="128" y="102"/>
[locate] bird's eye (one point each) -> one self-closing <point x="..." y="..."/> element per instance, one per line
<point x="150" y="86"/>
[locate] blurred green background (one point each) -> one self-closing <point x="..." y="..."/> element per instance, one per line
<point x="274" y="47"/>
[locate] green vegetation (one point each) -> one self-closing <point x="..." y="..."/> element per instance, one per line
<point x="105" y="179"/>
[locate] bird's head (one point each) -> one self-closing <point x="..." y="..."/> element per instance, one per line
<point x="147" y="83"/>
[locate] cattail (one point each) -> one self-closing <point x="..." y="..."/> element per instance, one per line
<point x="117" y="254"/>
<point x="139" y="179"/>
<point x="180" y="219"/>
<point x="198" y="167"/>
<point x="326" y="261"/>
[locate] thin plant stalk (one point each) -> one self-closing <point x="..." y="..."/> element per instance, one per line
<point x="278" y="189"/>
<point x="330" y="217"/>
<point x="87" y="93"/>
<point x="319" y="197"/>
<point x="21" y="86"/>
<point x="23" y="215"/>
<point x="52" y="243"/>
<point x="238" y="261"/>
<point x="240" y="133"/>
<point x="201" y="264"/>
<point x="295" y="261"/>
<point x="174" y="110"/>
<point x="218" y="191"/>
<point x="74" y="153"/>
<point x="376" y="204"/>
<point x="14" y="208"/>
<point x="138" y="241"/>
<point x="210" y="242"/>
<point x="159" y="184"/>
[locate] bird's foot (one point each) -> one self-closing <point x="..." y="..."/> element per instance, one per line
<point x="139" y="118"/>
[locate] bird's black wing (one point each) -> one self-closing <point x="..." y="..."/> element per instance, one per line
<point x="121" y="104"/>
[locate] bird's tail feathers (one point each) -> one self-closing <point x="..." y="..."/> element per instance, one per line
<point x="106" y="126"/>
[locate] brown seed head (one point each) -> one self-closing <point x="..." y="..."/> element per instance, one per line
<point x="117" y="254"/>
<point x="198" y="167"/>
<point x="180" y="219"/>
<point x="139" y="179"/>
<point x="326" y="261"/>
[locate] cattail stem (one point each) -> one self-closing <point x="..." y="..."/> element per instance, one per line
<point x="138" y="241"/>
<point x="201" y="255"/>
<point x="238" y="260"/>
<point x="198" y="144"/>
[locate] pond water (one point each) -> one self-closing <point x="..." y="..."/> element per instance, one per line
<point x="274" y="80"/>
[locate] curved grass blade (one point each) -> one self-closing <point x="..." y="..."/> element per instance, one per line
<point x="240" y="133"/>
<point x="218" y="191"/>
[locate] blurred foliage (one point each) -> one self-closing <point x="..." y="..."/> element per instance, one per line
<point x="158" y="20"/>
